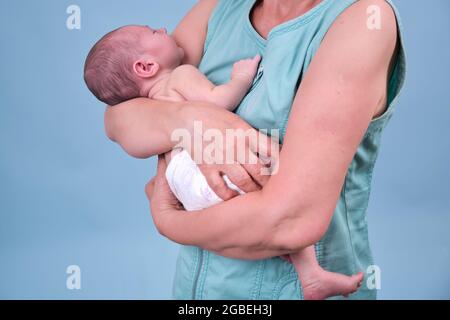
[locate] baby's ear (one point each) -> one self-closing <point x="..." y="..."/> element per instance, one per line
<point x="145" y="68"/>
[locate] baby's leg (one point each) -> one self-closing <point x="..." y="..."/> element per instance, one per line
<point x="319" y="284"/>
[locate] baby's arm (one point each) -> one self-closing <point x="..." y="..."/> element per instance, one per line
<point x="189" y="82"/>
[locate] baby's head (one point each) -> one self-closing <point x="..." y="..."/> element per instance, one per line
<point x="121" y="64"/>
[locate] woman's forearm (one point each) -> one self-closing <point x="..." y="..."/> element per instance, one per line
<point x="143" y="127"/>
<point x="254" y="230"/>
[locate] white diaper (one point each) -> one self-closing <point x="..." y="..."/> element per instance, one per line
<point x="189" y="184"/>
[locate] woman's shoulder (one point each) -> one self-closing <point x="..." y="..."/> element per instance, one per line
<point x="376" y="17"/>
<point x="377" y="14"/>
<point x="190" y="33"/>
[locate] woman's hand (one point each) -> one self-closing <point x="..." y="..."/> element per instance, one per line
<point x="161" y="198"/>
<point x="246" y="156"/>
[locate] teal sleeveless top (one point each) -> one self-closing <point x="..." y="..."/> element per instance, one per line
<point x="286" y="55"/>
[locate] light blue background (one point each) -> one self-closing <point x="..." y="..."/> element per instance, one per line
<point x="70" y="196"/>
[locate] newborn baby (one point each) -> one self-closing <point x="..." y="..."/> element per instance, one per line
<point x="137" y="61"/>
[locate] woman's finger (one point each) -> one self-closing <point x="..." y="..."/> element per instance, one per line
<point x="162" y="166"/>
<point x="161" y="196"/>
<point x="217" y="183"/>
<point x="149" y="187"/>
<point x="239" y="177"/>
<point x="268" y="151"/>
<point x="286" y="257"/>
<point x="160" y="173"/>
<point x="257" y="171"/>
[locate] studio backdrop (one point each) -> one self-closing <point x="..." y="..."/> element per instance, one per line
<point x="71" y="200"/>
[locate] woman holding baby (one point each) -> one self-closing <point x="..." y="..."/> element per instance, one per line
<point x="329" y="78"/>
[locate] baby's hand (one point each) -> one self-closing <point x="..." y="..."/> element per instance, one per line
<point x="246" y="69"/>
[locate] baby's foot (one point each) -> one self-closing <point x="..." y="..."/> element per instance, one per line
<point x="323" y="284"/>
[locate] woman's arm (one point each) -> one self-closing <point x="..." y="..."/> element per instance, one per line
<point x="342" y="90"/>
<point x="191" y="31"/>
<point x="143" y="127"/>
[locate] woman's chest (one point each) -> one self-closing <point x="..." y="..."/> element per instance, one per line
<point x="284" y="59"/>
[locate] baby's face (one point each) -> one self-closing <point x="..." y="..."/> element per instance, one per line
<point x="161" y="45"/>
